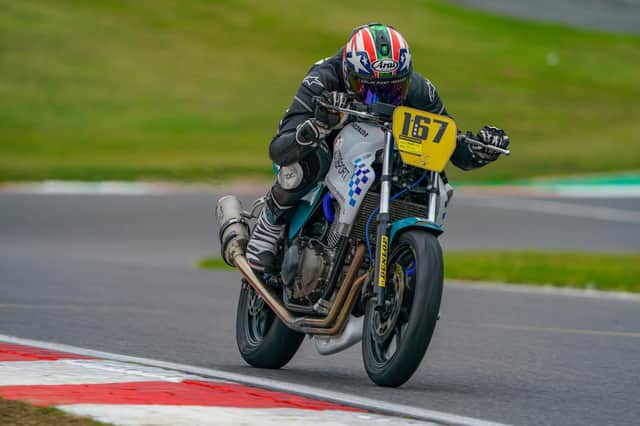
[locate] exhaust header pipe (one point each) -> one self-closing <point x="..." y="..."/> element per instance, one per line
<point x="234" y="236"/>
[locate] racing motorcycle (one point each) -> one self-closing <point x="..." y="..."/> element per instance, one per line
<point x="360" y="260"/>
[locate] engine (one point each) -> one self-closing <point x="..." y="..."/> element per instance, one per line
<point x="304" y="271"/>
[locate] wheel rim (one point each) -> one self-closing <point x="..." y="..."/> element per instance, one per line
<point x="387" y="327"/>
<point x="259" y="318"/>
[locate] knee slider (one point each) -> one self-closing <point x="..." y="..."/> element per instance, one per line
<point x="290" y="177"/>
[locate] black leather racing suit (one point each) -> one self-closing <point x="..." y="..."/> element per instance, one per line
<point x="306" y="165"/>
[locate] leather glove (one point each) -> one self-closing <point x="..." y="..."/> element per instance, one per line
<point x="328" y="118"/>
<point x="310" y="132"/>
<point x="490" y="135"/>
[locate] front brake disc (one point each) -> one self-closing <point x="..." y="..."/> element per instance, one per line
<point x="384" y="322"/>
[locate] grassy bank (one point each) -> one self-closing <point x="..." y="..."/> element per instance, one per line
<point x="193" y="89"/>
<point x="20" y="413"/>
<point x="601" y="271"/>
<point x="213" y="263"/>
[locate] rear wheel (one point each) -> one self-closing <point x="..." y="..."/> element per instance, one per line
<point x="263" y="340"/>
<point x="396" y="338"/>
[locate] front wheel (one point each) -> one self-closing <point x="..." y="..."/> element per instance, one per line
<point x="263" y="340"/>
<point x="396" y="338"/>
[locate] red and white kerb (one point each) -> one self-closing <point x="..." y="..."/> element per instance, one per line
<point x="132" y="394"/>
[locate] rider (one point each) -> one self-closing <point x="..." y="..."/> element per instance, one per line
<point x="374" y="66"/>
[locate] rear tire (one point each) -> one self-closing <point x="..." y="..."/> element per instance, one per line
<point x="395" y="340"/>
<point x="262" y="339"/>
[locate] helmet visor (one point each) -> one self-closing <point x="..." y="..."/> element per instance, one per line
<point x="388" y="91"/>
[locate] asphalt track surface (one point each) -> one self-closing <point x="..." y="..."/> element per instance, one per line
<point x="115" y="273"/>
<point x="606" y="15"/>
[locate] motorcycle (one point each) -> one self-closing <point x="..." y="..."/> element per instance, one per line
<point x="343" y="278"/>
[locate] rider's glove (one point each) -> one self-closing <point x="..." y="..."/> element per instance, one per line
<point x="310" y="132"/>
<point x="325" y="116"/>
<point x="489" y="135"/>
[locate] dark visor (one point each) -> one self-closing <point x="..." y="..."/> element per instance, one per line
<point x="389" y="92"/>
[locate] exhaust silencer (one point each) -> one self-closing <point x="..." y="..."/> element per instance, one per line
<point x="234" y="229"/>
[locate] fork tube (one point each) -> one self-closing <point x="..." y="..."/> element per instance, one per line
<point x="434" y="190"/>
<point x="382" y="245"/>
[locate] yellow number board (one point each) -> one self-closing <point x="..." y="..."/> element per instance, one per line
<point x="424" y="139"/>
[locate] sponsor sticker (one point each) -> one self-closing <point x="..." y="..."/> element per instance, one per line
<point x="340" y="167"/>
<point x="384" y="249"/>
<point x="360" y="130"/>
<point x="384" y="65"/>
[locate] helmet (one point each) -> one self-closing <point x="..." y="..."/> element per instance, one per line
<point x="376" y="64"/>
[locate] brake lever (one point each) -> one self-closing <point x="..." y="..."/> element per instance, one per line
<point x="353" y="112"/>
<point x="471" y="141"/>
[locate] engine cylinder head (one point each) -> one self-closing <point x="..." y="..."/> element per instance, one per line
<point x="234" y="229"/>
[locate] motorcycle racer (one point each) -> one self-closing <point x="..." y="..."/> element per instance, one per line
<point x="374" y="66"/>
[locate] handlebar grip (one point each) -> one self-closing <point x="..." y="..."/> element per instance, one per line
<point x="466" y="139"/>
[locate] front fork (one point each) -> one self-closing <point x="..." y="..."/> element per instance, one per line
<point x="384" y="219"/>
<point x="382" y="244"/>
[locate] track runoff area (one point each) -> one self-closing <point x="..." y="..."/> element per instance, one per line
<point x="128" y="390"/>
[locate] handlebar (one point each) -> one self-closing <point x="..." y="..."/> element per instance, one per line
<point x="466" y="139"/>
<point x="373" y="112"/>
<point x="384" y="112"/>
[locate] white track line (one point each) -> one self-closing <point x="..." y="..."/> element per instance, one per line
<point x="81" y="371"/>
<point x="548" y="290"/>
<point x="132" y="188"/>
<point x="309" y="391"/>
<point x="83" y="188"/>
<point x="180" y="415"/>
<point x="592" y="191"/>
<point x="552" y="329"/>
<point x="557" y="208"/>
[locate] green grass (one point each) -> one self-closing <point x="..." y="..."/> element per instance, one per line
<point x="22" y="413"/>
<point x="212" y="263"/>
<point x="602" y="271"/>
<point x="193" y="89"/>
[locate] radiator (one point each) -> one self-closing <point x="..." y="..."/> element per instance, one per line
<point x="399" y="209"/>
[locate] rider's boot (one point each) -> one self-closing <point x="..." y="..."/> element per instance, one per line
<point x="262" y="248"/>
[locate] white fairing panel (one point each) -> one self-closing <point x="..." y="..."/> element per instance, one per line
<point x="443" y="202"/>
<point x="351" y="175"/>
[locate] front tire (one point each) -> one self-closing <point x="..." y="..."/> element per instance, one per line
<point x="262" y="339"/>
<point x="396" y="339"/>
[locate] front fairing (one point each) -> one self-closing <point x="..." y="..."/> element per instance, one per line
<point x="351" y="173"/>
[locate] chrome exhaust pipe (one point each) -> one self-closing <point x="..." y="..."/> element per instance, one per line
<point x="351" y="335"/>
<point x="303" y="324"/>
<point x="270" y="299"/>
<point x="234" y="229"/>
<point x="234" y="236"/>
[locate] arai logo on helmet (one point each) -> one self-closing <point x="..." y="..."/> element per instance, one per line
<point x="384" y="65"/>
